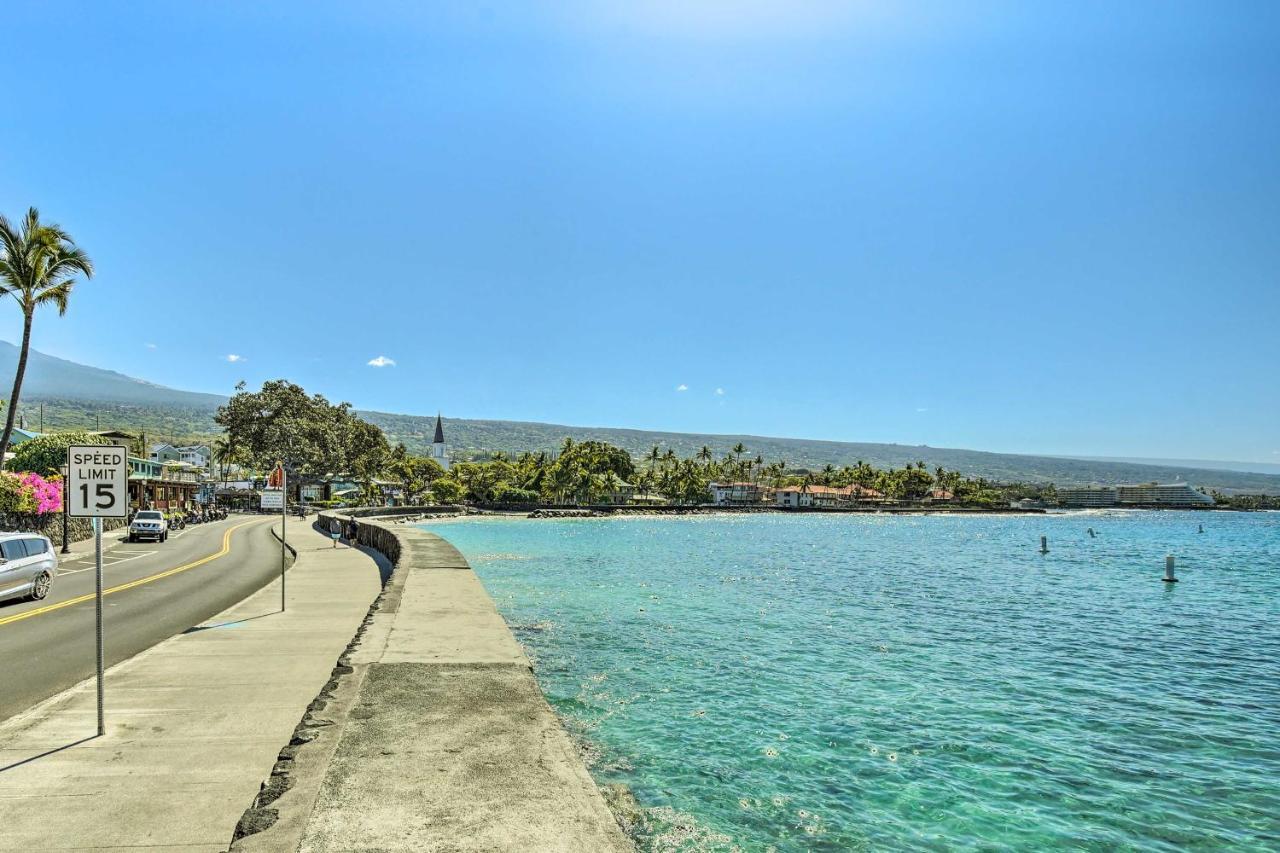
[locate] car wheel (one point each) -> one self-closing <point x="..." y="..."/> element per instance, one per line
<point x="132" y="538"/>
<point x="40" y="586"/>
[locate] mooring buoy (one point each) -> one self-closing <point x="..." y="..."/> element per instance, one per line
<point x="1091" y="533"/>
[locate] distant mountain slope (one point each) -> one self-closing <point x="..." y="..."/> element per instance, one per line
<point x="1211" y="464"/>
<point x="52" y="378"/>
<point x="76" y="395"/>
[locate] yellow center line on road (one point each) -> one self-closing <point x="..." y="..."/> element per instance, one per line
<point x="226" y="549"/>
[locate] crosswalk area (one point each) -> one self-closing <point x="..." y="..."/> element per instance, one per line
<point x="86" y="563"/>
<point x="122" y="551"/>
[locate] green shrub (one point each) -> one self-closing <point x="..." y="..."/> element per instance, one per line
<point x="47" y="454"/>
<point x="447" y="491"/>
<point x="509" y="494"/>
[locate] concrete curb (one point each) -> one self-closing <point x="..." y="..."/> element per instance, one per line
<point x="275" y="531"/>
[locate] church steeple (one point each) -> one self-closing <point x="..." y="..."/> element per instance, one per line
<point x="440" y="450"/>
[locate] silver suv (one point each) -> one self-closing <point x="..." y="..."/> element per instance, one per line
<point x="28" y="566"/>
<point x="149" y="524"/>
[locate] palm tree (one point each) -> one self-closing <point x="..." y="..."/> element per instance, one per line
<point x="224" y="454"/>
<point x="38" y="266"/>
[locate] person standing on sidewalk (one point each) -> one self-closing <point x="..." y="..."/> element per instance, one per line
<point x="335" y="531"/>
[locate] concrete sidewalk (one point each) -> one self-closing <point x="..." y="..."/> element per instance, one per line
<point x="441" y="739"/>
<point x="194" y="724"/>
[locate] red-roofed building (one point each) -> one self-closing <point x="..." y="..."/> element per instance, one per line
<point x="824" y="496"/>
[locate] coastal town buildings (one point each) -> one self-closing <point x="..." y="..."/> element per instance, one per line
<point x="1140" y="495"/>
<point x="1087" y="496"/>
<point x="198" y="455"/>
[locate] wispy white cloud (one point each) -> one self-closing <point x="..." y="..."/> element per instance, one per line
<point x="151" y="346"/>
<point x="922" y="408"/>
<point x="233" y="358"/>
<point x="682" y="387"/>
<point x="382" y="361"/>
<point x="719" y="392"/>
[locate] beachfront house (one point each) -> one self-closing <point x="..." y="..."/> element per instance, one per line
<point x="737" y="494"/>
<point x="824" y="496"/>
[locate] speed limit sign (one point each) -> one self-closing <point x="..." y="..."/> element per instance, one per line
<point x="97" y="481"/>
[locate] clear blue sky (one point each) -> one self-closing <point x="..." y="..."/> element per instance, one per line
<point x="1030" y="227"/>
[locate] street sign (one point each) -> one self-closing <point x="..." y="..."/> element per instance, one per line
<point x="272" y="499"/>
<point x="97" y="487"/>
<point x="97" y="481"/>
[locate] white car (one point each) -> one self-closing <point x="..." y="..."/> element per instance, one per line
<point x="149" y="524"/>
<point x="28" y="566"/>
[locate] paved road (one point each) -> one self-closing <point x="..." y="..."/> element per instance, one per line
<point x="155" y="590"/>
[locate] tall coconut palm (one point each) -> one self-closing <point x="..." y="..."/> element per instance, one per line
<point x="39" y="264"/>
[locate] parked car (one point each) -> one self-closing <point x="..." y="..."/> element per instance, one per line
<point x="149" y="524"/>
<point x="28" y="566"/>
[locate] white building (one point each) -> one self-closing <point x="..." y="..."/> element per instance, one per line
<point x="824" y="496"/>
<point x="1145" y="494"/>
<point x="440" y="450"/>
<point x="736" y="494"/>
<point x="1155" y="494"/>
<point x="1087" y="496"/>
<point x="196" y="455"/>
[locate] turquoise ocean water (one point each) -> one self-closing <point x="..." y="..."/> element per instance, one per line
<point x="826" y="682"/>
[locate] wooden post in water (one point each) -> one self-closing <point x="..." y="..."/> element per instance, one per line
<point x="1044" y="544"/>
<point x="1168" y="570"/>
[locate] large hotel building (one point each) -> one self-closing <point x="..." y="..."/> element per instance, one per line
<point x="1146" y="494"/>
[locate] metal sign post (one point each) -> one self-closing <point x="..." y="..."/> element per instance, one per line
<point x="276" y="494"/>
<point x="284" y="515"/>
<point x="97" y="487"/>
<point x="97" y="606"/>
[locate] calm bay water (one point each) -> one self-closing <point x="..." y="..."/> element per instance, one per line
<point x="836" y="682"/>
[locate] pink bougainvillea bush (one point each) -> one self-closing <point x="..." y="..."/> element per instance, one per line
<point x="29" y="494"/>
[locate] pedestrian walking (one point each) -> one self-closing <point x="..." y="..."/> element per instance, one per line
<point x="335" y="531"/>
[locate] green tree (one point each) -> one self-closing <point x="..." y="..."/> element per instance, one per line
<point x="446" y="490"/>
<point x="39" y="264"/>
<point x="306" y="432"/>
<point x="47" y="454"/>
<point x="415" y="474"/>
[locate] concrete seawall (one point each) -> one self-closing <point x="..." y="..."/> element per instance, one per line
<point x="435" y="735"/>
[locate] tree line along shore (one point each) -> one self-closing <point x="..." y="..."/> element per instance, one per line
<point x="315" y="438"/>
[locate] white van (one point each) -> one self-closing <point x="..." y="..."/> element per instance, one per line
<point x="28" y="566"/>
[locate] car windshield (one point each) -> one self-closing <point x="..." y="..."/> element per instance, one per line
<point x="149" y="516"/>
